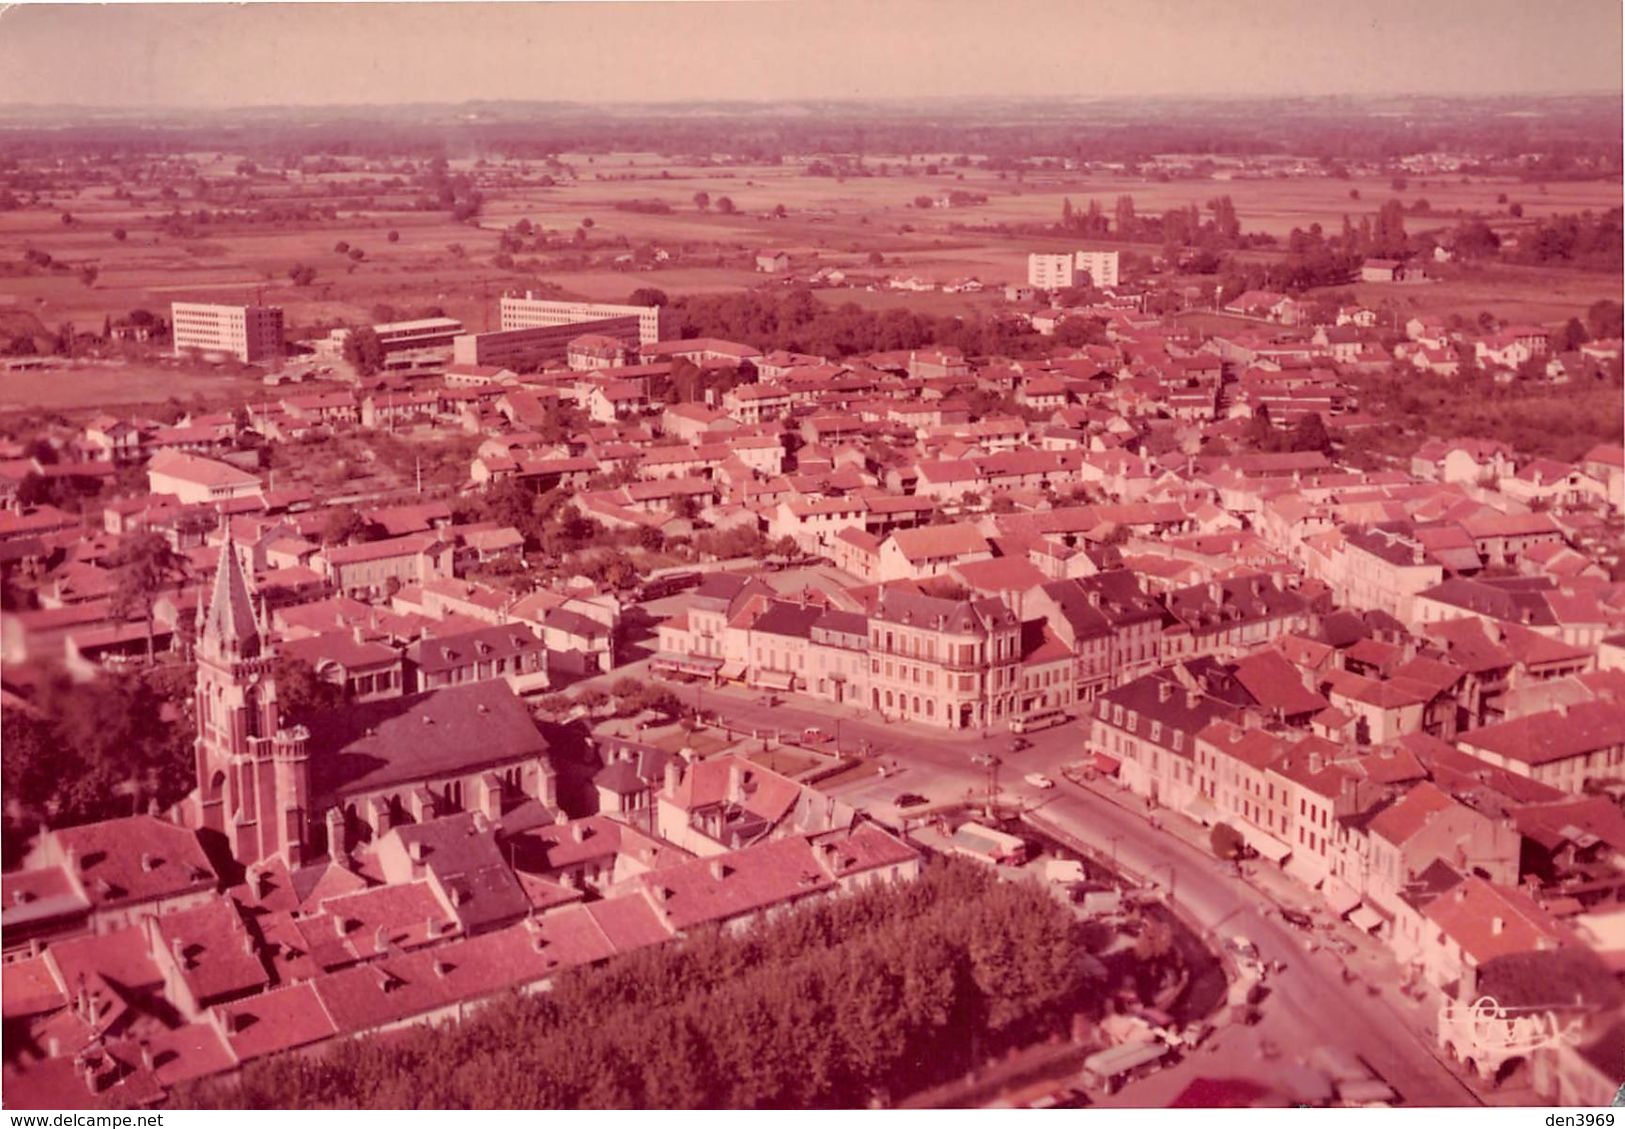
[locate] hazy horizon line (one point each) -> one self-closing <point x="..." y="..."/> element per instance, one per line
<point x="71" y="108"/>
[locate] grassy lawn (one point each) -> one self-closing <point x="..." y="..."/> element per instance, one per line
<point x="704" y="742"/>
<point x="786" y="762"/>
<point x="861" y="771"/>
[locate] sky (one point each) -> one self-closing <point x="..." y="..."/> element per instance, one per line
<point x="208" y="56"/>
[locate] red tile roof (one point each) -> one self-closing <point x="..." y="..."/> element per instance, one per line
<point x="120" y="957"/>
<point x="136" y="859"/>
<point x="1488" y="921"/>
<point x="29" y="987"/>
<point x="212" y="949"/>
<point x="1570" y="731"/>
<point x="1404" y="819"/>
<point x="279" y="1020"/>
<point x="738" y="883"/>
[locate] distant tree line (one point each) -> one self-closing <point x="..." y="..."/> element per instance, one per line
<point x="844" y="1002"/>
<point x="1568" y="138"/>
<point x="1586" y="241"/>
<point x="796" y="320"/>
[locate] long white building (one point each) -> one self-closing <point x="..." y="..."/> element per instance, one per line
<point x="535" y="313"/>
<point x="248" y="333"/>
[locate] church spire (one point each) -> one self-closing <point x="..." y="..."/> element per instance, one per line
<point x="228" y="624"/>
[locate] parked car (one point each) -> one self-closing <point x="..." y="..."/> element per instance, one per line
<point x="812" y="735"/>
<point x="1242" y="946"/>
<point x="1019" y="744"/>
<point x="1297" y="917"/>
<point x="1039" y="780"/>
<point x="910" y="800"/>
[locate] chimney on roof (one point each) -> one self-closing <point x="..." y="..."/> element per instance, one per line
<point x="736" y="783"/>
<point x="336" y="846"/>
<point x="719" y="869"/>
<point x="1215" y="592"/>
<point x="177" y="949"/>
<point x="441" y="968"/>
<point x="1316" y="763"/>
<point x="1498" y="926"/>
<point x="88" y="1066"/>
<point x="415" y="851"/>
<point x="1165" y="691"/>
<point x="342" y="925"/>
<point x="146" y="1055"/>
<point x="578" y="832"/>
<point x="149" y="862"/>
<point x="674" y="777"/>
<point x="380" y="940"/>
<point x="1193" y="698"/>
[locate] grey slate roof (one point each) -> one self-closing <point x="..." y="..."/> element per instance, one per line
<point x="367" y="746"/>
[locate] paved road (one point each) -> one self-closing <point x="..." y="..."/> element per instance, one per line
<point x="1309" y="1004"/>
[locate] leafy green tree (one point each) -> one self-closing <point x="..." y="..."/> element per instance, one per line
<point x="648" y="296"/>
<point x="1226" y="841"/>
<point x="1310" y="434"/>
<point x="363" y="350"/>
<point x="145" y="565"/>
<point x="1606" y="320"/>
<point x="301" y="693"/>
<point x="42" y="451"/>
<point x="1571" y="336"/>
<point x="345" y="525"/>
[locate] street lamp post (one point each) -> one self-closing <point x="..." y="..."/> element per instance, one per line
<point x="1172" y="876"/>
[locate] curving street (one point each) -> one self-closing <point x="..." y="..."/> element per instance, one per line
<point x="1309" y="1003"/>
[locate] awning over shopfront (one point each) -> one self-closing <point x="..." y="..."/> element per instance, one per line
<point x="774" y="679"/>
<point x="1339" y="895"/>
<point x="1202" y="810"/>
<point x="1105" y="764"/>
<point x="685" y="664"/>
<point x="1364" y="917"/>
<point x="1266" y="845"/>
<point x="732" y="671"/>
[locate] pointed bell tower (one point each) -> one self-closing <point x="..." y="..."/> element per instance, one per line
<point x="253" y="781"/>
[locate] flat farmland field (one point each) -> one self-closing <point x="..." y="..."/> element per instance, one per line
<point x="1523" y="294"/>
<point x="438" y="262"/>
<point x="77" y="389"/>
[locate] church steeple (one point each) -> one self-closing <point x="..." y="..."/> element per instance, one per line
<point x="252" y="771"/>
<point x="227" y="626"/>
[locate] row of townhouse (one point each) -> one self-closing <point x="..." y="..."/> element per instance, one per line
<point x="966" y="662"/>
